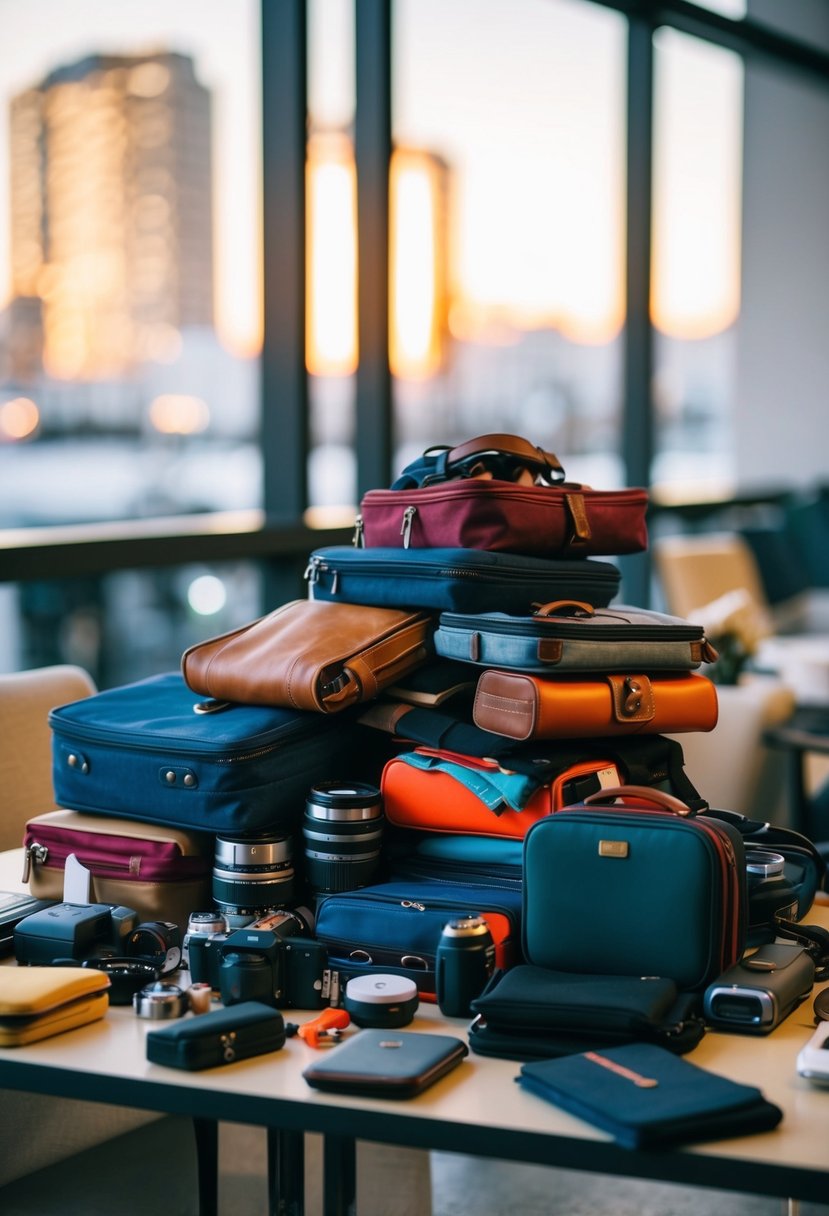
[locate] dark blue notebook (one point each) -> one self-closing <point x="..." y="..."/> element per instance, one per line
<point x="646" y="1097"/>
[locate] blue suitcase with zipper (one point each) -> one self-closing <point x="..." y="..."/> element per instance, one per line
<point x="394" y="927"/>
<point x="149" y="751"/>
<point x="458" y="580"/>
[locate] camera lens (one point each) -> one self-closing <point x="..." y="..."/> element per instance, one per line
<point x="343" y="832"/>
<point x="252" y="874"/>
<point x="464" y="962"/>
<point x="201" y="924"/>
<point x="770" y="893"/>
<point x="246" y="977"/>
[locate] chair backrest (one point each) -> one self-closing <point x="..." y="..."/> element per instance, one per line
<point x="696" y="570"/>
<point x="25" y="742"/>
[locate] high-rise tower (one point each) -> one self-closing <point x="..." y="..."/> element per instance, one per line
<point x="111" y="212"/>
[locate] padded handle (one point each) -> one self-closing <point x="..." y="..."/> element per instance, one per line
<point x="546" y="463"/>
<point x="666" y="801"/>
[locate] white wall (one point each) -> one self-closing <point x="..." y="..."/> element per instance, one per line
<point x="782" y="396"/>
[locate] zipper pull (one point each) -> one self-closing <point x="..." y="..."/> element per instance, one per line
<point x="36" y="853"/>
<point x="412" y="903"/>
<point x="406" y="526"/>
<point x="358" y="540"/>
<point x="312" y="571"/>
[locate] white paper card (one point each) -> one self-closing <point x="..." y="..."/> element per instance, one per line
<point x="76" y="882"/>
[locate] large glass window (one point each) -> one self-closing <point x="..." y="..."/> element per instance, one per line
<point x="695" y="273"/>
<point x="513" y="119"/>
<point x="130" y="253"/>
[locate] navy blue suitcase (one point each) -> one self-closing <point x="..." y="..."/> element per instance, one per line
<point x="458" y="580"/>
<point x="394" y="927"/>
<point x="144" y="751"/>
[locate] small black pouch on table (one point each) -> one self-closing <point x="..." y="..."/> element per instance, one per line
<point x="222" y="1036"/>
<point x="647" y="1098"/>
<point x="532" y="1013"/>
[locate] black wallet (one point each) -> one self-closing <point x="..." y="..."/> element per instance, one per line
<point x="534" y="1013"/>
<point x="220" y="1037"/>
<point x="646" y="1097"/>
<point x="386" y="1063"/>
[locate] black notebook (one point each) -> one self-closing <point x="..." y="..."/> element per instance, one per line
<point x="647" y="1097"/>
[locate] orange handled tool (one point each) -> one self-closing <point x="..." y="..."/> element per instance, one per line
<point x="327" y="1026"/>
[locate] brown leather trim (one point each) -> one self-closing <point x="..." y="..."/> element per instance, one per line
<point x="578" y="517"/>
<point x="494" y="708"/>
<point x="632" y="698"/>
<point x="549" y="650"/>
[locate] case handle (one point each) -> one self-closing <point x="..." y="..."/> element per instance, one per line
<point x="564" y="608"/>
<point x="667" y="802"/>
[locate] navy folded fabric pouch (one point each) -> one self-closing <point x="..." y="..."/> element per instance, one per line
<point x="648" y="1098"/>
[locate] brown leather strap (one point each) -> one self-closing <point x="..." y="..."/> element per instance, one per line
<point x="509" y="445"/>
<point x="580" y="524"/>
<point x="564" y="608"/>
<point x="644" y="792"/>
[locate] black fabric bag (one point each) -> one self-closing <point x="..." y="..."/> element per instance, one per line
<point x="532" y="1013"/>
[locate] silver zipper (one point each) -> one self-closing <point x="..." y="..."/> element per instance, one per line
<point x="406" y="526"/>
<point x="357" y="539"/>
<point x="36" y="853"/>
<point x="412" y="903"/>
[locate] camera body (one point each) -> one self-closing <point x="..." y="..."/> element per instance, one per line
<point x="274" y="961"/>
<point x="74" y="931"/>
<point x="757" y="993"/>
<point x="204" y="957"/>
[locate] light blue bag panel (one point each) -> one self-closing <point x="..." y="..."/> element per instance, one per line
<point x="617" y="638"/>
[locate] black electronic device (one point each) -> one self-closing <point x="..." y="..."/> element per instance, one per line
<point x="262" y="962"/>
<point x="386" y="1064"/>
<point x="14" y="907"/>
<point x="464" y="962"/>
<point x="754" y="995"/>
<point x="73" y="931"/>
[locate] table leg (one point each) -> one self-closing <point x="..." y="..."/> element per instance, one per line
<point x="286" y="1173"/>
<point x="339" y="1165"/>
<point x="207" y="1163"/>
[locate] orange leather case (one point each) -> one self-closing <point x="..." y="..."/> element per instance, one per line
<point x="543" y="707"/>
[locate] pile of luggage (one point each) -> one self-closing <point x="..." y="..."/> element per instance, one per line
<point x="453" y="762"/>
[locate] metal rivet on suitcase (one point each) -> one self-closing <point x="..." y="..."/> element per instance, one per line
<point x="189" y="779"/>
<point x="170" y="777"/>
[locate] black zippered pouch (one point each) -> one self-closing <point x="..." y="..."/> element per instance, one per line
<point x="222" y="1036"/>
<point x="531" y="1012"/>
<point x="460" y="580"/>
